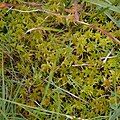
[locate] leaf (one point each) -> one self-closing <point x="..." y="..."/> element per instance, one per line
<point x="105" y="5"/>
<point x="115" y="21"/>
<point x="99" y="12"/>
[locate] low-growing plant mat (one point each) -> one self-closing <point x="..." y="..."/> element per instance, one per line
<point x="59" y="59"/>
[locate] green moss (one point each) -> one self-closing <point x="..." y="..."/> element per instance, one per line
<point x="74" y="56"/>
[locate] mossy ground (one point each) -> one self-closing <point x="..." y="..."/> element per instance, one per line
<point x="59" y="67"/>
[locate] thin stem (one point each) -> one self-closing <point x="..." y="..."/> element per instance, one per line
<point x="3" y="83"/>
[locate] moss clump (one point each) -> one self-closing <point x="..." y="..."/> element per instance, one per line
<point x="60" y="65"/>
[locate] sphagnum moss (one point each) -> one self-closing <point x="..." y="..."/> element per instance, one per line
<point x="55" y="68"/>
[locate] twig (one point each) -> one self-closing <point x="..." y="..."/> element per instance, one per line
<point x="32" y="29"/>
<point x="102" y="58"/>
<point x="43" y="28"/>
<point x="40" y="10"/>
<point x="26" y="11"/>
<point x="71" y="94"/>
<point x="108" y="55"/>
<point x="34" y="4"/>
<point x="115" y="40"/>
<point x="77" y="65"/>
<point x="76" y="14"/>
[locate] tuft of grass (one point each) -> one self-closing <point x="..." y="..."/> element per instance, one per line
<point x="108" y="8"/>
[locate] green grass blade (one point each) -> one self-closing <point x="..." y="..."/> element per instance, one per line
<point x="100" y="12"/>
<point x="3" y="115"/>
<point x="115" y="21"/>
<point x="51" y="74"/>
<point x="3" y="84"/>
<point x="37" y="108"/>
<point x="115" y="114"/>
<point x="105" y="5"/>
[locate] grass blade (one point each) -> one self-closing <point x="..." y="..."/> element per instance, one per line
<point x="105" y="5"/>
<point x="115" y="21"/>
<point x="3" y="84"/>
<point x="115" y="114"/>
